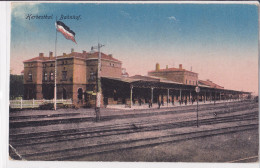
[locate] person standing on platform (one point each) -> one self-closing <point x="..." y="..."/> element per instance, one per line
<point x="149" y="103"/>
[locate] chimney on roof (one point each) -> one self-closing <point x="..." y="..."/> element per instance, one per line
<point x="166" y="66"/>
<point x="64" y="54"/>
<point x="110" y="55"/>
<point x="41" y="55"/>
<point x="157" y="67"/>
<point x="50" y="54"/>
<point x="180" y="66"/>
<point x="84" y="52"/>
<point x="72" y="50"/>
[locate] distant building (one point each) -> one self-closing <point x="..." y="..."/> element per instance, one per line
<point x="76" y="75"/>
<point x="124" y="73"/>
<point x="179" y="75"/>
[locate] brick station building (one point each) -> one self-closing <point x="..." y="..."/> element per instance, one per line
<point x="76" y="75"/>
<point x="76" y="80"/>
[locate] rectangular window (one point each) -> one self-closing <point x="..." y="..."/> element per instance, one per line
<point x="64" y="75"/>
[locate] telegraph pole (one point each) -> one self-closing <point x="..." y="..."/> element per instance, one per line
<point x="98" y="86"/>
<point x="197" y="89"/>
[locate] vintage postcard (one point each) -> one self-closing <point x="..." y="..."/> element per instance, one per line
<point x="134" y="82"/>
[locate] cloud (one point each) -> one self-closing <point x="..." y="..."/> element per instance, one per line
<point x="173" y="18"/>
<point x="125" y="14"/>
<point x="21" y="9"/>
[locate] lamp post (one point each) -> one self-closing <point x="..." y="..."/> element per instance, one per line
<point x="197" y="89"/>
<point x="98" y="88"/>
<point x="215" y="95"/>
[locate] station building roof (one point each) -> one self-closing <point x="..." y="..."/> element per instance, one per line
<point x="158" y="82"/>
<point x="210" y="84"/>
<point x="83" y="55"/>
<point x="40" y="59"/>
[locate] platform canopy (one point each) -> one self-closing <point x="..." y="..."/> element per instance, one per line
<point x="139" y="81"/>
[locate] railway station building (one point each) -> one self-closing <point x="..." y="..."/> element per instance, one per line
<point x="76" y="80"/>
<point x="76" y="74"/>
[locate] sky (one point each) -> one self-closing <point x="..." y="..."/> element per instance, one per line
<point x="218" y="41"/>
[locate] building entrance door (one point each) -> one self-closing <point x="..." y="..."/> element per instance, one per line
<point x="80" y="94"/>
<point x="30" y="94"/>
<point x="64" y="93"/>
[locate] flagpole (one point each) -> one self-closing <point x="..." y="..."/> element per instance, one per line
<point x="55" y="72"/>
<point x="68" y="34"/>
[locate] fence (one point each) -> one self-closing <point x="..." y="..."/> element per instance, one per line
<point x="35" y="103"/>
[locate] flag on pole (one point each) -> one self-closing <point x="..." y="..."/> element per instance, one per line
<point x="65" y="30"/>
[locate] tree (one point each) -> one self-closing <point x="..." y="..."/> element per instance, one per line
<point x="16" y="86"/>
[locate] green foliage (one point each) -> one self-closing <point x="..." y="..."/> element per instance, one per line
<point x="16" y="86"/>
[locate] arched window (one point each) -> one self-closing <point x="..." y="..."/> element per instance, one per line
<point x="92" y="76"/>
<point x="64" y="75"/>
<point x="30" y="76"/>
<point x="51" y="76"/>
<point x="45" y="76"/>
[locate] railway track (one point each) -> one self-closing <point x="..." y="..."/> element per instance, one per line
<point x="245" y="160"/>
<point x="171" y="118"/>
<point x="113" y="137"/>
<point x="18" y="124"/>
<point x="124" y="129"/>
<point x="73" y="153"/>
